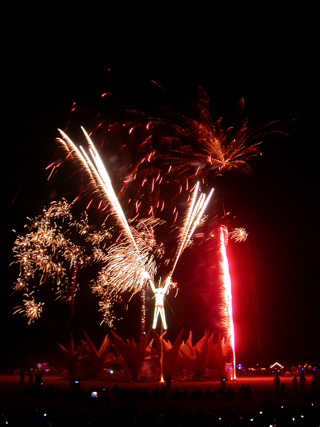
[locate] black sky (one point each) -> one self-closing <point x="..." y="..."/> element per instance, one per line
<point x="274" y="273"/>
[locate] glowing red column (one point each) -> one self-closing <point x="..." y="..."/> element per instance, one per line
<point x="227" y="296"/>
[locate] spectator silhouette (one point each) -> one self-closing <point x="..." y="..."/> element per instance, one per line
<point x="230" y="393"/>
<point x="295" y="384"/>
<point x="223" y="382"/>
<point x="176" y="395"/>
<point x="115" y="390"/>
<point x="199" y="393"/>
<point x="242" y="391"/>
<point x="168" y="384"/>
<point x="302" y="382"/>
<point x="163" y="393"/>
<point x="248" y="392"/>
<point x="184" y="394"/>
<point x="30" y="379"/>
<point x="38" y="381"/>
<point x="156" y="393"/>
<point x="277" y="383"/>
<point x="22" y="378"/>
<point x="207" y="394"/>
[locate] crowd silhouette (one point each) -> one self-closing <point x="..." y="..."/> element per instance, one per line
<point x="158" y="406"/>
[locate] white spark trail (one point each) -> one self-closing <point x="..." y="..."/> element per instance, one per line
<point x="194" y="215"/>
<point x="98" y="172"/>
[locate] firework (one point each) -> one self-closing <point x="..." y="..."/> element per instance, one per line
<point x="226" y="295"/>
<point x="128" y="263"/>
<point x="52" y="251"/>
<point x="127" y="269"/>
<point x="31" y="309"/>
<point x="238" y="234"/>
<point x="98" y="174"/>
<point x="131" y="271"/>
<point x="177" y="150"/>
<point x="192" y="219"/>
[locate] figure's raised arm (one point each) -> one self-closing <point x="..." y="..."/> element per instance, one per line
<point x="152" y="285"/>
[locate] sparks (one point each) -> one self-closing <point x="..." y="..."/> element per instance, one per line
<point x="30" y="309"/>
<point x="192" y="219"/>
<point x="194" y="147"/>
<point x="55" y="246"/>
<point x="125" y="269"/>
<point x="226" y="293"/>
<point x="238" y="234"/>
<point x="99" y="175"/>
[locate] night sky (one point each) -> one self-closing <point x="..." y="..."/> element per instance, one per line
<point x="274" y="273"/>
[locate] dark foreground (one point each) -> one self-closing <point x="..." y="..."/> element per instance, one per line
<point x="103" y="403"/>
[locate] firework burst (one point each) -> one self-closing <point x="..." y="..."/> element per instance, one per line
<point x="30" y="309"/>
<point x="52" y="251"/>
<point x="238" y="234"/>
<point x="176" y="150"/>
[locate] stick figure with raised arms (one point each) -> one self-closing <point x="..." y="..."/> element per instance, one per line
<point x="159" y="294"/>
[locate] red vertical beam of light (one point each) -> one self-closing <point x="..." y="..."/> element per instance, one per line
<point x="227" y="290"/>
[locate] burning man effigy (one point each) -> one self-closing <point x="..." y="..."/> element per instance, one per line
<point x="159" y="294"/>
